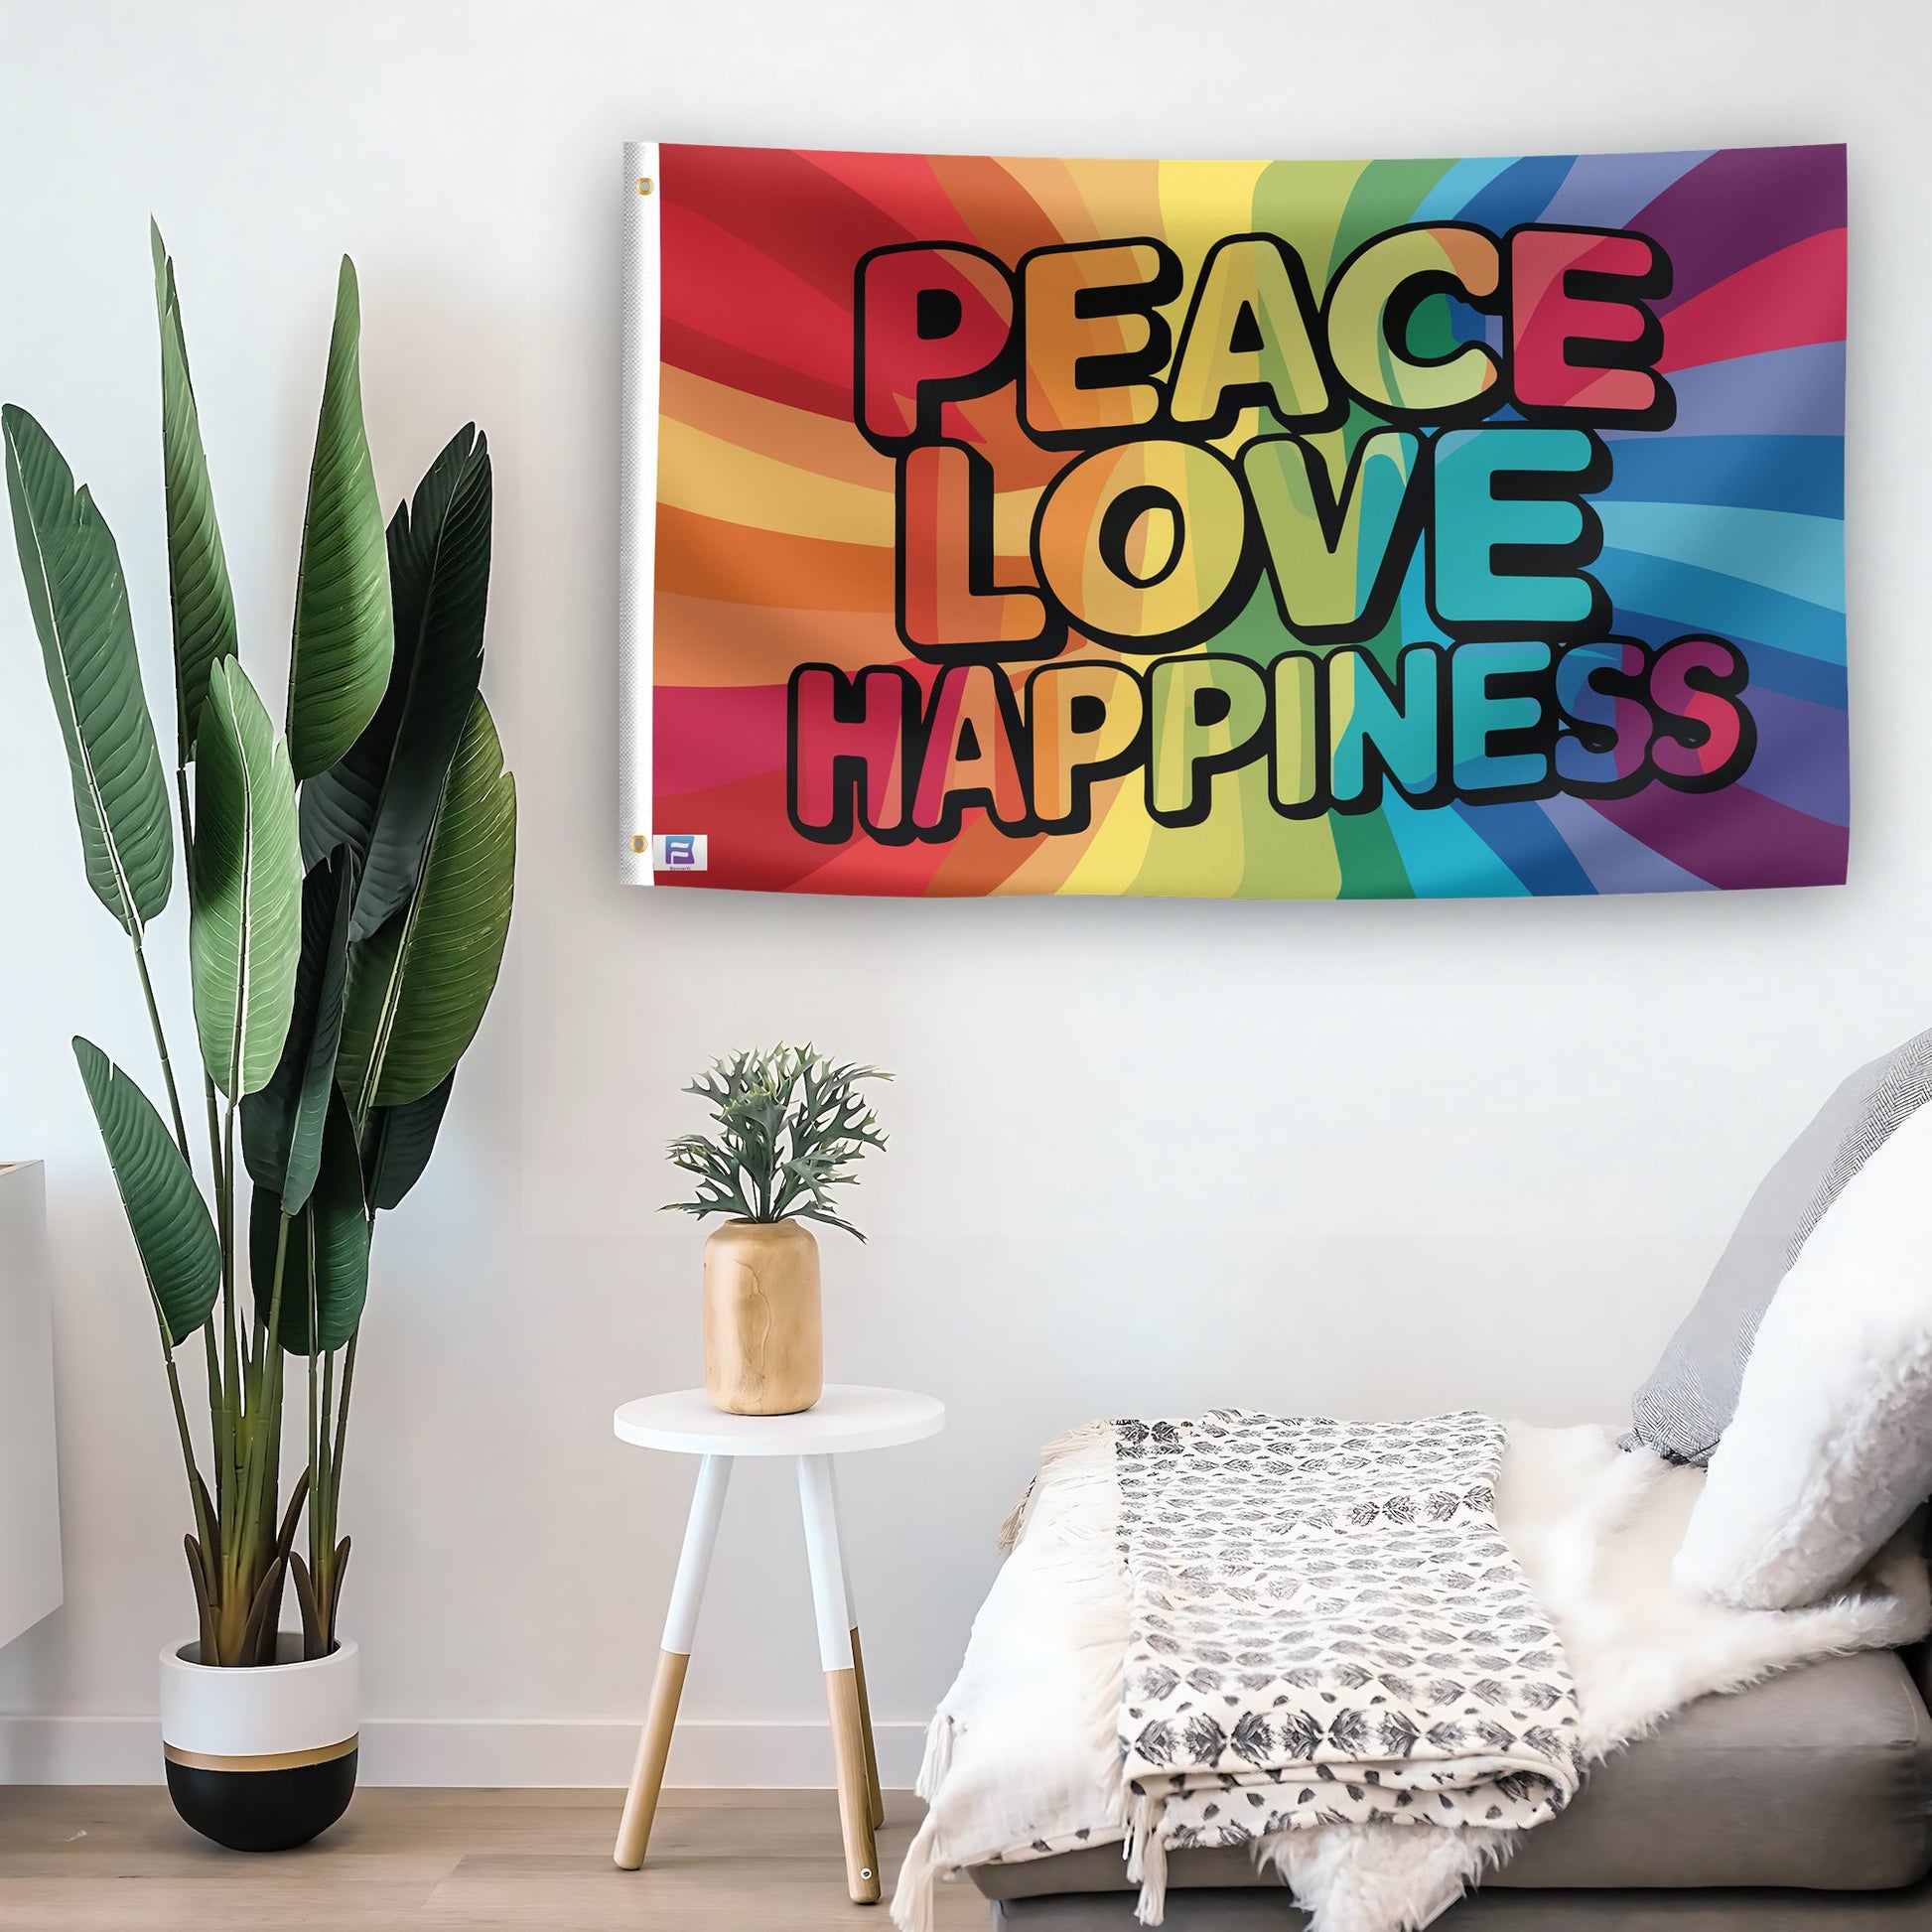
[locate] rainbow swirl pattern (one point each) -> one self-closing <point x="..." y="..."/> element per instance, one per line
<point x="777" y="534"/>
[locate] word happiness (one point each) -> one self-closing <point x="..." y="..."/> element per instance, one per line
<point x="1194" y="602"/>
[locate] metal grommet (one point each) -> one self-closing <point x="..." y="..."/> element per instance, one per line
<point x="639" y="843"/>
<point x="643" y="184"/>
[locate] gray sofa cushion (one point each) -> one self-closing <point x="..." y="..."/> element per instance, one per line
<point x="1820" y="1779"/>
<point x="1685" y="1404"/>
<point x="1504" y="1911"/>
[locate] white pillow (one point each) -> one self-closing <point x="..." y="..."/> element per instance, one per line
<point x="1829" y="1451"/>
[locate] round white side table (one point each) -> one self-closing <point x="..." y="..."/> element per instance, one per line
<point x="844" y="1419"/>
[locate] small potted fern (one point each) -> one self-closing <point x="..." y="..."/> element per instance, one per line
<point x="790" y="1126"/>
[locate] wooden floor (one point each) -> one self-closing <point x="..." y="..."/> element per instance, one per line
<point x="116" y="1860"/>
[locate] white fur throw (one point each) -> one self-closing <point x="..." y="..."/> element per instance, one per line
<point x="1830" y="1449"/>
<point x="1024" y="1753"/>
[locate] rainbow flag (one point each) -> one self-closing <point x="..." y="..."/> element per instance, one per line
<point x="1234" y="529"/>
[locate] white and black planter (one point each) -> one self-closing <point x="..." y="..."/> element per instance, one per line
<point x="261" y="1759"/>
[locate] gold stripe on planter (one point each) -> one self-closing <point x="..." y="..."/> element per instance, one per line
<point x="267" y="1762"/>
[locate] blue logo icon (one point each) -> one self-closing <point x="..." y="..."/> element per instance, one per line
<point x="680" y="852"/>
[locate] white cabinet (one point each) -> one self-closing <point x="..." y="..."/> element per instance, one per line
<point x="29" y="1511"/>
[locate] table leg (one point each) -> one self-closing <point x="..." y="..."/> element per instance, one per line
<point x="878" y="1797"/>
<point x="819" y="1508"/>
<point x="680" y="1625"/>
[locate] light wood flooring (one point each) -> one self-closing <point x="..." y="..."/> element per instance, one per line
<point x="116" y="1860"/>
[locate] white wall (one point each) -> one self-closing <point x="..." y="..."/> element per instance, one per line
<point x="1361" y="1158"/>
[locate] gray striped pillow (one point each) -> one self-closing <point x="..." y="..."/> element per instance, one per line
<point x="1687" y="1404"/>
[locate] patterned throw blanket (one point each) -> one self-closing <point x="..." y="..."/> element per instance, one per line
<point x="1326" y="1626"/>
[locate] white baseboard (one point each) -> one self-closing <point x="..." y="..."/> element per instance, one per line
<point x="484" y="1753"/>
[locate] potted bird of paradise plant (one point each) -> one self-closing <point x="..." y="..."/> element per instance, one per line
<point x="350" y="880"/>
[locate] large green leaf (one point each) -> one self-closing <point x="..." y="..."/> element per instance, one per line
<point x="244" y="933"/>
<point x="343" y="632"/>
<point x="398" y="1143"/>
<point x="173" y="1233"/>
<point x="281" y="1125"/>
<point x="198" y="570"/>
<point x="78" y="599"/>
<point x="418" y="989"/>
<point x="326" y="1264"/>
<point x="380" y="798"/>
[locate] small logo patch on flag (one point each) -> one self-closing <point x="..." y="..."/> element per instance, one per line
<point x="678" y="851"/>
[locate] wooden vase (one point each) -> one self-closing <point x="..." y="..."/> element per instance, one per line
<point x="763" y="1346"/>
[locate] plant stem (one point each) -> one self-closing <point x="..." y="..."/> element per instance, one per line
<point x="267" y="1412"/>
<point x="316" y="1433"/>
<point x="220" y="1397"/>
<point x="189" y="1467"/>
<point x="161" y="1047"/>
<point x="245" y="1561"/>
<point x="322" y="1521"/>
<point x="202" y="1525"/>
<point x="342" y="1417"/>
<point x="231" y="1347"/>
<point x="326" y="1540"/>
<point x="317" y="1466"/>
<point x="234" y="1415"/>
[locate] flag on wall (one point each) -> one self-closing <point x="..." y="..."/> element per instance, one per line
<point x="1277" y="529"/>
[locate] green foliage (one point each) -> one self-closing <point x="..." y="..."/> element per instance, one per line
<point x="381" y="798"/>
<point x="244" y="886"/>
<point x="173" y="1234"/>
<point x="397" y="1143"/>
<point x="405" y="908"/>
<point x="345" y="635"/>
<point x="324" y="1261"/>
<point x="199" y="595"/>
<point x="73" y="572"/>
<point x="417" y="990"/>
<point x="791" y="1125"/>
<point x="281" y="1125"/>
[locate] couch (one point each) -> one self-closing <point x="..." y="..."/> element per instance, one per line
<point x="1801" y="1805"/>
